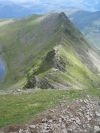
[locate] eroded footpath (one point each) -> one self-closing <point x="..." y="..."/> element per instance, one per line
<point x="79" y="116"/>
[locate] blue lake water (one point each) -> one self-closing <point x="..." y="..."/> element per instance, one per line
<point x="2" y="70"/>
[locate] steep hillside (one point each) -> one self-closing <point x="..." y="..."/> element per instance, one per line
<point x="89" y="24"/>
<point x="47" y="51"/>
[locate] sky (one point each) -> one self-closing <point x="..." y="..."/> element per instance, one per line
<point x="92" y="5"/>
<point x="37" y="1"/>
<point x="78" y="1"/>
<point x="56" y="1"/>
<point x="21" y="1"/>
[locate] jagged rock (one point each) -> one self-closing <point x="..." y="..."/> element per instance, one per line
<point x="38" y="82"/>
<point x="56" y="60"/>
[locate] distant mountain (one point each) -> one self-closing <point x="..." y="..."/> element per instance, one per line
<point x="9" y="9"/>
<point x="90" y="5"/>
<point x="17" y="11"/>
<point x="13" y="11"/>
<point x="89" y="24"/>
<point x="47" y="51"/>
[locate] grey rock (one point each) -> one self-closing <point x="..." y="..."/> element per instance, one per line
<point x="51" y="110"/>
<point x="44" y="120"/>
<point x="64" y="131"/>
<point x="11" y="132"/>
<point x="96" y="129"/>
<point x="63" y="126"/>
<point x="26" y="131"/>
<point x="98" y="103"/>
<point x="32" y="126"/>
<point x="78" y="121"/>
<point x="69" y="130"/>
<point x="60" y="120"/>
<point x="50" y="121"/>
<point x="20" y="130"/>
<point x="54" y="118"/>
<point x="98" y="123"/>
<point x="86" y="101"/>
<point x="18" y="90"/>
<point x="97" y="114"/>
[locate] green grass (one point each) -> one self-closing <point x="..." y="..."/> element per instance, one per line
<point x="21" y="52"/>
<point x="26" y="42"/>
<point x="23" y="107"/>
<point x="5" y="22"/>
<point x="77" y="71"/>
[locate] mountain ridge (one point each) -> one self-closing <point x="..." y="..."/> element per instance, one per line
<point x="64" y="19"/>
<point x="48" y="52"/>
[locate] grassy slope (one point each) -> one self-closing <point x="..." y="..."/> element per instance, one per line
<point x="17" y="58"/>
<point x="23" y="45"/>
<point x="20" y="108"/>
<point x="78" y="73"/>
<point x="23" y="56"/>
<point x="26" y="42"/>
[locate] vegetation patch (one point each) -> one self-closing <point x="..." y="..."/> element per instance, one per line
<point x="22" y="107"/>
